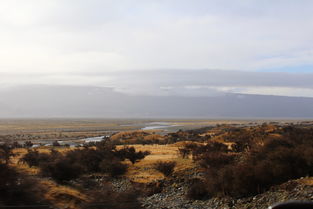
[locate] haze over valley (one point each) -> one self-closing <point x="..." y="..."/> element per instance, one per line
<point x="44" y="101"/>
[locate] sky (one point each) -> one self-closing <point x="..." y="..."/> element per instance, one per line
<point x="160" y="47"/>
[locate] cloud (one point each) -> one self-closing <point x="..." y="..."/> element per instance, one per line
<point x="70" y="36"/>
<point x="277" y="91"/>
<point x="190" y="83"/>
<point x="123" y="44"/>
<point x="212" y="83"/>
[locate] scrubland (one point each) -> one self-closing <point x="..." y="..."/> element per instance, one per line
<point x="132" y="169"/>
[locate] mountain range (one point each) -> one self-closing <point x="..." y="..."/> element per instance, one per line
<point x="44" y="101"/>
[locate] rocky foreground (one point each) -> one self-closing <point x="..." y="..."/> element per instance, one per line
<point x="173" y="196"/>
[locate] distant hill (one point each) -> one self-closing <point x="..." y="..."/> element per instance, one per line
<point x="70" y="101"/>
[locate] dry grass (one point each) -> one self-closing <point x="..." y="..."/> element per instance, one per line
<point x="57" y="129"/>
<point x="69" y="129"/>
<point x="143" y="171"/>
<point x="53" y="124"/>
<point x="24" y="168"/>
<point x="58" y="195"/>
<point x="307" y="181"/>
<point x="133" y="136"/>
<point x="65" y="197"/>
<point x="62" y="196"/>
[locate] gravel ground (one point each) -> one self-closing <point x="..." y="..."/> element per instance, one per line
<point x="173" y="196"/>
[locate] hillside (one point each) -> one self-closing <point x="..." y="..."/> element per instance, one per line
<point x="222" y="166"/>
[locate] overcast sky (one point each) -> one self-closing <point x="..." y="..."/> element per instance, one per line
<point x="160" y="47"/>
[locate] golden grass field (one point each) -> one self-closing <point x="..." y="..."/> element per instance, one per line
<point x="141" y="172"/>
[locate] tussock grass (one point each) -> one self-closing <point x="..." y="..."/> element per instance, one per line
<point x="63" y="196"/>
<point x="144" y="172"/>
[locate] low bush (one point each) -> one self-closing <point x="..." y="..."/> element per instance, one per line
<point x="131" y="154"/>
<point x="152" y="188"/>
<point x="187" y="149"/>
<point x="197" y="190"/>
<point x="215" y="160"/>
<point x="113" y="167"/>
<point x="61" y="169"/>
<point x="6" y="152"/>
<point x="56" y="144"/>
<point x="107" y="198"/>
<point x="200" y="150"/>
<point x="166" y="168"/>
<point x="34" y="158"/>
<point x="28" y="144"/>
<point x="272" y="162"/>
<point x="103" y="158"/>
<point x="18" y="190"/>
<point x="197" y="150"/>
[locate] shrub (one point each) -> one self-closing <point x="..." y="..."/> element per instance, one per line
<point x="17" y="189"/>
<point x="54" y="165"/>
<point x="102" y="158"/>
<point x="183" y="152"/>
<point x="61" y="170"/>
<point x="131" y="154"/>
<point x="107" y="198"/>
<point x="56" y="144"/>
<point x="187" y="149"/>
<point x="166" y="168"/>
<point x="28" y="144"/>
<point x="272" y="162"/>
<point x="259" y="172"/>
<point x="197" y="190"/>
<point x="113" y="167"/>
<point x="16" y="145"/>
<point x="34" y="158"/>
<point x="153" y="188"/>
<point x="88" y="158"/>
<point x="6" y="152"/>
<point x="215" y="160"/>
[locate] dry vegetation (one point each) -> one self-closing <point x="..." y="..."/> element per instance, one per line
<point x="227" y="156"/>
<point x="15" y="130"/>
<point x="144" y="172"/>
